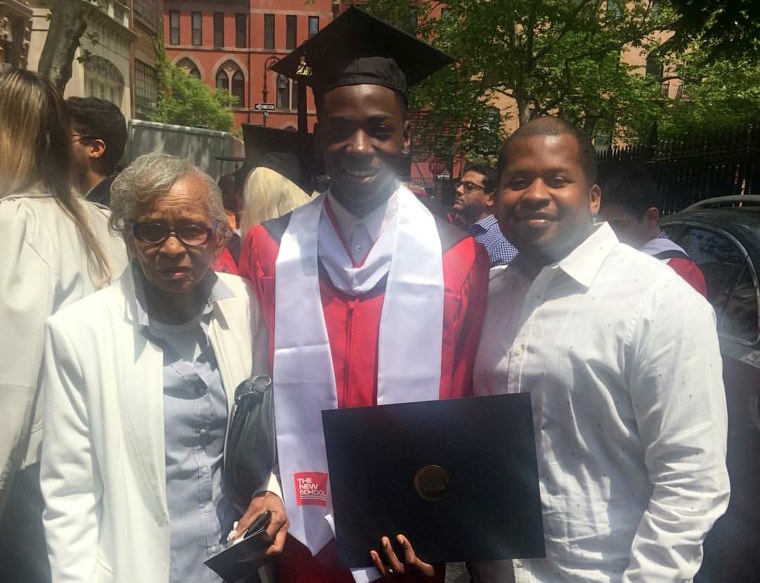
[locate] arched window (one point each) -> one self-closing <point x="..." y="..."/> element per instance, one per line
<point x="238" y="86"/>
<point x="104" y="79"/>
<point x="190" y="67"/>
<point x="222" y="81"/>
<point x="231" y="78"/>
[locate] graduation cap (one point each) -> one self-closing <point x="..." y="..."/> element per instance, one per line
<point x="355" y="49"/>
<point x="285" y="151"/>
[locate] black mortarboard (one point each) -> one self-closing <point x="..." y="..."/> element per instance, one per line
<point x="357" y="48"/>
<point x="284" y="151"/>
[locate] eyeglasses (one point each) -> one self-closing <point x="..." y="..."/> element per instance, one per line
<point x="157" y="233"/>
<point x="79" y="138"/>
<point x="469" y="186"/>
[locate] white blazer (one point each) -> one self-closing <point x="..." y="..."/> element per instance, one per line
<point x="43" y="268"/>
<point x="103" y="474"/>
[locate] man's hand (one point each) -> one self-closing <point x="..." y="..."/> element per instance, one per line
<point x="278" y="525"/>
<point x="392" y="568"/>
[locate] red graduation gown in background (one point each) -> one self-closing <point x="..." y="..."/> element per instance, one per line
<point x="225" y="262"/>
<point x="352" y="326"/>
<point x="689" y="271"/>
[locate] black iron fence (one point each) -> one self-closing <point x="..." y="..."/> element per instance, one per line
<point x="703" y="166"/>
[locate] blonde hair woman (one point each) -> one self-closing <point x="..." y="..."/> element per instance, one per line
<point x="268" y="195"/>
<point x="57" y="249"/>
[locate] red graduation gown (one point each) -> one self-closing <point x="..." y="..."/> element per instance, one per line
<point x="226" y="262"/>
<point x="353" y="326"/>
<point x="691" y="272"/>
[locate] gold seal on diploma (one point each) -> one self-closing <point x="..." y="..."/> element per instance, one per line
<point x="431" y="483"/>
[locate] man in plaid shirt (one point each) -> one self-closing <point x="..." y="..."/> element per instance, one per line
<point x="473" y="208"/>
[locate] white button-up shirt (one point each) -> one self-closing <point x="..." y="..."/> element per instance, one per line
<point x="622" y="362"/>
<point x="360" y="233"/>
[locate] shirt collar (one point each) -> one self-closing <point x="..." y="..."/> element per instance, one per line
<point x="90" y="191"/>
<point x="375" y="221"/>
<point x="582" y="263"/>
<point x="212" y="287"/>
<point x="485" y="223"/>
<point x="658" y="245"/>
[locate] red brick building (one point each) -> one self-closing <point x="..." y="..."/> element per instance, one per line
<point x="233" y="43"/>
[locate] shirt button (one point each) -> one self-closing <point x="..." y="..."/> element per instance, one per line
<point x="204" y="470"/>
<point x="203" y="437"/>
<point x="208" y="508"/>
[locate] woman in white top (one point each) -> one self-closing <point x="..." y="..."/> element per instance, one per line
<point x="56" y="249"/>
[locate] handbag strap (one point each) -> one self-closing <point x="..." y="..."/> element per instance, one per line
<point x="254" y="387"/>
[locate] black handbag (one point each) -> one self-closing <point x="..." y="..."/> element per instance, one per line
<point x="251" y="448"/>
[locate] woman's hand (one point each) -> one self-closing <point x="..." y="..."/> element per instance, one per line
<point x="278" y="525"/>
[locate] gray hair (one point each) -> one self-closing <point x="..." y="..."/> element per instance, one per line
<point x="149" y="177"/>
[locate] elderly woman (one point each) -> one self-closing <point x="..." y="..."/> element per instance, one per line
<point x="139" y="381"/>
<point x="56" y="250"/>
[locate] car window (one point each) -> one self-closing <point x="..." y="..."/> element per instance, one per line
<point x="731" y="281"/>
<point x="740" y="317"/>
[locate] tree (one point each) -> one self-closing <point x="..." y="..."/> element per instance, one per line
<point x="402" y="14"/>
<point x="185" y="100"/>
<point x="717" y="94"/>
<point x="544" y="56"/>
<point x="724" y="28"/>
<point x="67" y="25"/>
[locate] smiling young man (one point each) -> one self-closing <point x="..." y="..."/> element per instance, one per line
<point x="367" y="297"/>
<point x="621" y="359"/>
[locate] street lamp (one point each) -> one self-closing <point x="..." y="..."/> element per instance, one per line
<point x="268" y="64"/>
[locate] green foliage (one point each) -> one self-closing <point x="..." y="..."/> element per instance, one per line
<point x="555" y="56"/>
<point x="401" y="14"/>
<point x="717" y="95"/>
<point x="187" y="101"/>
<point x="723" y="28"/>
<point x="541" y="57"/>
<point x="536" y="57"/>
<point x="86" y="54"/>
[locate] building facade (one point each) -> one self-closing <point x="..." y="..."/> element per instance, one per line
<point x="146" y="24"/>
<point x="15" y="32"/>
<point x="116" y="57"/>
<point x="101" y="65"/>
<point x="232" y="45"/>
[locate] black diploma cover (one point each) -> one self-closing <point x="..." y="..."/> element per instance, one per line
<point x="458" y="478"/>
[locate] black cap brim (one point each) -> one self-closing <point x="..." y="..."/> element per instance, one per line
<point x="284" y="151"/>
<point x="230" y="158"/>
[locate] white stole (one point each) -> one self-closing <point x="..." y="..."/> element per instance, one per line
<point x="409" y="344"/>
<point x="658" y="245"/>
